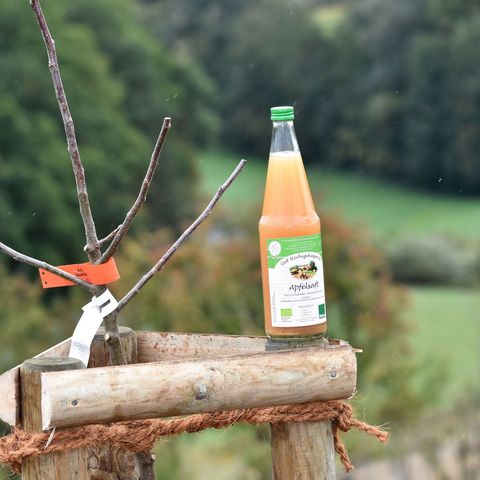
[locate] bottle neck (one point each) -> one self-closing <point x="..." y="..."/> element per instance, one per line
<point x="287" y="195"/>
<point x="283" y="137"/>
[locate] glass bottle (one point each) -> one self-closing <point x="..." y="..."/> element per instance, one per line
<point x="290" y="243"/>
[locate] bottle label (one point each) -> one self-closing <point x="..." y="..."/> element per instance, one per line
<point x="295" y="276"/>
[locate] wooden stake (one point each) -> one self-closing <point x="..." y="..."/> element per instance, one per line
<point x="69" y="465"/>
<point x="104" y="461"/>
<point x="301" y="451"/>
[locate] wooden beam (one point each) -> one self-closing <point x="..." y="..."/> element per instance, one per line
<point x="152" y="347"/>
<point x="158" y="346"/>
<point x="183" y="387"/>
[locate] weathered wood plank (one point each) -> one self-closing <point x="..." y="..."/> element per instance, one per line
<point x="10" y="397"/>
<point x="183" y="387"/>
<point x="158" y="346"/>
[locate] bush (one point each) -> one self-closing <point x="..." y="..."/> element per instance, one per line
<point x="213" y="284"/>
<point x="431" y="259"/>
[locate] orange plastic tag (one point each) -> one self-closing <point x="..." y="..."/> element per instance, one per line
<point x="101" y="274"/>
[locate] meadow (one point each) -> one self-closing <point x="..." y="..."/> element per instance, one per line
<point x="389" y="210"/>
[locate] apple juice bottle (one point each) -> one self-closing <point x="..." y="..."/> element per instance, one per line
<point x="290" y="242"/>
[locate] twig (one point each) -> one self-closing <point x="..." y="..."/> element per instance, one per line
<point x="168" y="254"/>
<point x="20" y="257"/>
<point x="93" y="250"/>
<point x="142" y="195"/>
<point x="112" y="340"/>
<point x="109" y="237"/>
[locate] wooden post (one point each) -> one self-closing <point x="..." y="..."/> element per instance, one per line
<point x="103" y="461"/>
<point x="69" y="465"/>
<point x="301" y="451"/>
<point x="99" y="462"/>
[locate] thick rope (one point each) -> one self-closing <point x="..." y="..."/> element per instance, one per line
<point x="140" y="435"/>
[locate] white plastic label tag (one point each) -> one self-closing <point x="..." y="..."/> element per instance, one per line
<point x="90" y="321"/>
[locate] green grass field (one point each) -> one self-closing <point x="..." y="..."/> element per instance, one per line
<point x="389" y="210"/>
<point x="446" y="331"/>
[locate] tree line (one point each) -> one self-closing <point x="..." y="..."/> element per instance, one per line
<point x="383" y="87"/>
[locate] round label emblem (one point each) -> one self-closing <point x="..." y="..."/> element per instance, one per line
<point x="275" y="248"/>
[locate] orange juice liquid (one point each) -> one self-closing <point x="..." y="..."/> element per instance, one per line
<point x="289" y="213"/>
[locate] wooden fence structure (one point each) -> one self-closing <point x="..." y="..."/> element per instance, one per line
<point x="174" y="374"/>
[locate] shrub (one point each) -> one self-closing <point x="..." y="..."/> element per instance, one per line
<point x="213" y="284"/>
<point x="431" y="259"/>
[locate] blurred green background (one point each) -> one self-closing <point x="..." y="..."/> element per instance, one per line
<point x="387" y="100"/>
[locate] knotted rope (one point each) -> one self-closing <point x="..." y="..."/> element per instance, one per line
<point x="140" y="435"/>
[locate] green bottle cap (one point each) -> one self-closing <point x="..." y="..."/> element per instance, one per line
<point x="279" y="114"/>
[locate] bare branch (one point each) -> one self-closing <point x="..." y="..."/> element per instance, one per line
<point x="90" y="233"/>
<point x="168" y="254"/>
<point x="109" y="237"/>
<point x="142" y="195"/>
<point x="112" y="341"/>
<point x="92" y="247"/>
<point x="20" y="257"/>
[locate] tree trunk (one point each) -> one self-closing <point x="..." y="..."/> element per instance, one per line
<point x="105" y="462"/>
